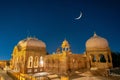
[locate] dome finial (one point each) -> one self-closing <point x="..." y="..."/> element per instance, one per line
<point x="65" y="43"/>
<point x="95" y="34"/>
<point x="96" y="42"/>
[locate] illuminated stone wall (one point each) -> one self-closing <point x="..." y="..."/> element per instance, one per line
<point x="29" y="56"/>
<point x="26" y="56"/>
<point x="64" y="61"/>
<point x="58" y="63"/>
<point x="98" y="52"/>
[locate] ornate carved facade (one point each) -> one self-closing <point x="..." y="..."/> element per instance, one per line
<point x="65" y="61"/>
<point x="29" y="56"/>
<point x="98" y="52"/>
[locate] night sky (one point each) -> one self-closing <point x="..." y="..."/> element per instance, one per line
<point x="54" y="20"/>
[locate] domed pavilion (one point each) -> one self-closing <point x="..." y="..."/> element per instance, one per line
<point x="28" y="55"/>
<point x="98" y="52"/>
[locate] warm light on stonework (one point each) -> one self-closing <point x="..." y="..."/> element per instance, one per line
<point x="63" y="62"/>
<point x="41" y="61"/>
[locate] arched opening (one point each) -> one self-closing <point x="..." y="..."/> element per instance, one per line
<point x="41" y="61"/>
<point x="93" y="58"/>
<point x="66" y="49"/>
<point x="102" y="58"/>
<point x="63" y="49"/>
<point x="36" y="61"/>
<point x="30" y="62"/>
<point x="73" y="61"/>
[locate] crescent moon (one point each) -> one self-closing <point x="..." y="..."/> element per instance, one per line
<point x="79" y="16"/>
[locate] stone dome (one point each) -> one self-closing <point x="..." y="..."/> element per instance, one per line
<point x="97" y="42"/>
<point x="65" y="44"/>
<point x="31" y="42"/>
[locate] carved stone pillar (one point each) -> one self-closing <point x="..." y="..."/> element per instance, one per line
<point x="97" y="58"/>
<point x="106" y="58"/>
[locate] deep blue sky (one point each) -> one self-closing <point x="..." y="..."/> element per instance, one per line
<point x="54" y="20"/>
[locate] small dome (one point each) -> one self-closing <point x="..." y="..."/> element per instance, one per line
<point x="96" y="42"/>
<point x="65" y="44"/>
<point x="31" y="42"/>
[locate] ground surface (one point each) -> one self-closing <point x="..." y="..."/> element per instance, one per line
<point x="4" y="76"/>
<point x="87" y="75"/>
<point x="77" y="75"/>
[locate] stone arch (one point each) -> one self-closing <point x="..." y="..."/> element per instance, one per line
<point x="36" y="61"/>
<point x="73" y="63"/>
<point x="93" y="58"/>
<point x="30" y="62"/>
<point x="73" y="60"/>
<point x="102" y="58"/>
<point x="41" y="61"/>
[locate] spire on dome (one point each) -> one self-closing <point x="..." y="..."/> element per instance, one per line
<point x="94" y="34"/>
<point x="65" y="46"/>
